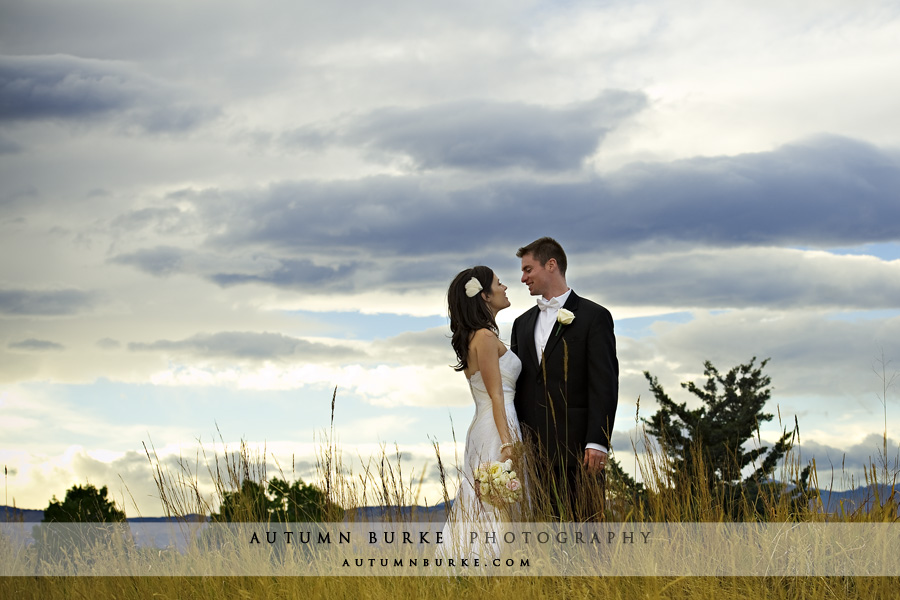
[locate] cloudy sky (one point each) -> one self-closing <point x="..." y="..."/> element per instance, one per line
<point x="212" y="214"/>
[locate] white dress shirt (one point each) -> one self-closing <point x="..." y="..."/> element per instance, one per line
<point x="546" y="321"/>
<point x="545" y="327"/>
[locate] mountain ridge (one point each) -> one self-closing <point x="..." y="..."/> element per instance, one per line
<point x="863" y="497"/>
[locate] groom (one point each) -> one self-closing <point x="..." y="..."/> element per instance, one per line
<point x="567" y="392"/>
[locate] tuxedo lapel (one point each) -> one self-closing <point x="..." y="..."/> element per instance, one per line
<point x="572" y="305"/>
<point x="526" y="337"/>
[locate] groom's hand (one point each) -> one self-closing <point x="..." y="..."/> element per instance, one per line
<point x="594" y="460"/>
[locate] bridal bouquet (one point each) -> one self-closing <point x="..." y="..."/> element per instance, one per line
<point x="499" y="485"/>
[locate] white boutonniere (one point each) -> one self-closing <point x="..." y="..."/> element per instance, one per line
<point x="564" y="317"/>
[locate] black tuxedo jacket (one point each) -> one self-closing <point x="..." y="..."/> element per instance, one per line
<point x="571" y="398"/>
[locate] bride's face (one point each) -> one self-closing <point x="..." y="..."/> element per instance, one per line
<point x="497" y="299"/>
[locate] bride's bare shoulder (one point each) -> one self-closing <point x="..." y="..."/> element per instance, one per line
<point x="485" y="332"/>
<point x="482" y="336"/>
<point x="485" y="340"/>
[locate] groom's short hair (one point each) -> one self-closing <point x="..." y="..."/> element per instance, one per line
<point x="544" y="249"/>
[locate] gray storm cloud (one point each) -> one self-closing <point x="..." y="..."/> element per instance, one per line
<point x="35" y="345"/>
<point x="247" y="345"/>
<point x="776" y="277"/>
<point x="159" y="261"/>
<point x="867" y="453"/>
<point x="40" y="87"/>
<point x="294" y="274"/>
<point x="22" y="302"/>
<point x="349" y="235"/>
<point x="71" y="88"/>
<point x="480" y="135"/>
<point x="821" y="191"/>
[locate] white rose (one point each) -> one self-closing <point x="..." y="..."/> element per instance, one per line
<point x="565" y="316"/>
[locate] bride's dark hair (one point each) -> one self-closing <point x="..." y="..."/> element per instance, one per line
<point x="468" y="315"/>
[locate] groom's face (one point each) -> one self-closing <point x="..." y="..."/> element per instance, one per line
<point x="535" y="276"/>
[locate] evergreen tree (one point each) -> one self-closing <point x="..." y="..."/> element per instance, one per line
<point x="708" y="444"/>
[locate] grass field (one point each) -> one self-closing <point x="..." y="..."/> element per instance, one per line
<point x="663" y="499"/>
<point x="536" y="588"/>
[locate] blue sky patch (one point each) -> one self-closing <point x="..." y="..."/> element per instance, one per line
<point x="359" y="326"/>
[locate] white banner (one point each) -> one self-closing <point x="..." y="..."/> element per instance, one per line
<point x="423" y="549"/>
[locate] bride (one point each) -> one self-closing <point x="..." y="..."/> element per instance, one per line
<point x="475" y="297"/>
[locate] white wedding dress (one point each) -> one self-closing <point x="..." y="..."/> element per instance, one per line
<point x="468" y="514"/>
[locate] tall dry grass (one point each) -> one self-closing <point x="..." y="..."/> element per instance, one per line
<point x="523" y="588"/>
<point x="663" y="497"/>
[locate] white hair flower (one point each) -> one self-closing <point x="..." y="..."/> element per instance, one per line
<point x="473" y="286"/>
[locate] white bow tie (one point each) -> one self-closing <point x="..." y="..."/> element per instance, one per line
<point x="545" y="304"/>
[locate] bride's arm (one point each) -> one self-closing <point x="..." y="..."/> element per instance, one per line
<point x="486" y="347"/>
